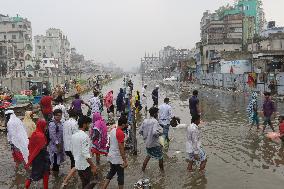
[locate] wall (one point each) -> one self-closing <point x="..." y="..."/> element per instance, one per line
<point x="18" y="84"/>
<point x="227" y="81"/>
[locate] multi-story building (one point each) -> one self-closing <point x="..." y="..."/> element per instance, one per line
<point x="230" y="28"/>
<point x="53" y="45"/>
<point x="271" y="28"/>
<point x="249" y="8"/>
<point x="15" y="46"/>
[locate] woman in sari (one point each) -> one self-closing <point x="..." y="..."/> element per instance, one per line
<point x="98" y="136"/>
<point x="17" y="137"/>
<point x="29" y="124"/>
<point x="38" y="155"/>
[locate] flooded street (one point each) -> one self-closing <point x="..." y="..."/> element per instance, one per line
<point x="237" y="158"/>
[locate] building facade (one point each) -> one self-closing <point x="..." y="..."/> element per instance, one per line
<point x="16" y="47"/>
<point x="53" y="45"/>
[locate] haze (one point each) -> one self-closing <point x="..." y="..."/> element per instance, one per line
<point x="121" y="31"/>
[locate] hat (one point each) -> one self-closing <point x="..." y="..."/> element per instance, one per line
<point x="9" y="112"/>
<point x="157" y="86"/>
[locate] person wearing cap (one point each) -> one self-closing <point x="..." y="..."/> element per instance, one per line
<point x="165" y="116"/>
<point x="17" y="138"/>
<point x="155" y="96"/>
<point x="144" y="98"/>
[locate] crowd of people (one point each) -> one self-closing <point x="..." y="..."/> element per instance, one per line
<point x="68" y="132"/>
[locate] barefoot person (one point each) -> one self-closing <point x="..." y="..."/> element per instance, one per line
<point x="116" y="155"/>
<point x="17" y="138"/>
<point x="165" y="116"/>
<point x="98" y="135"/>
<point x="81" y="151"/>
<point x="150" y="132"/>
<point x="193" y="145"/>
<point x="252" y="110"/>
<point x="268" y="109"/>
<point x="70" y="127"/>
<point x="38" y="155"/>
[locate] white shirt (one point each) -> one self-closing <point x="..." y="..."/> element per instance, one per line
<point x="127" y="92"/>
<point x="193" y="142"/>
<point x="81" y="150"/>
<point x="165" y="114"/>
<point x="70" y="127"/>
<point x="150" y="132"/>
<point x="114" y="156"/>
<point x="144" y="96"/>
<point x="95" y="103"/>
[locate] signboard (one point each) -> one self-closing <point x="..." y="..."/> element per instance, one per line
<point x="235" y="66"/>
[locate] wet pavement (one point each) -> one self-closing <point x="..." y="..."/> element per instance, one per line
<point x="237" y="158"/>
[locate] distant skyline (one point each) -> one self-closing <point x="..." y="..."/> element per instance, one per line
<point x="121" y="31"/>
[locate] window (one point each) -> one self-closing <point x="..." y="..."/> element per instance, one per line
<point x="45" y="61"/>
<point x="20" y="26"/>
<point x="39" y="47"/>
<point x="13" y="25"/>
<point x="5" y="37"/>
<point x="37" y="41"/>
<point x="14" y="37"/>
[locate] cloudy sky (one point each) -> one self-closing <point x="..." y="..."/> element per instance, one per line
<point x="122" y="30"/>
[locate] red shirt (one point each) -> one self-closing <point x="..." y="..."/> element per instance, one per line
<point x="281" y="128"/>
<point x="46" y="104"/>
<point x="119" y="135"/>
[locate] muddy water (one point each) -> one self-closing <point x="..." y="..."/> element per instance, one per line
<point x="237" y="158"/>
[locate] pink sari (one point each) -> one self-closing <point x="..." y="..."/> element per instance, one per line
<point x="108" y="100"/>
<point x="99" y="135"/>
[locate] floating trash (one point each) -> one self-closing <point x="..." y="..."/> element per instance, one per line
<point x="143" y="184"/>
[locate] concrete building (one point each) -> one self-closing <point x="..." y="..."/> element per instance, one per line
<point x="15" y="47"/>
<point x="271" y="29"/>
<point x="268" y="53"/>
<point x="53" y="45"/>
<point x="248" y="8"/>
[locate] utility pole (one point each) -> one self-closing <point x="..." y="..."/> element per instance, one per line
<point x="134" y="131"/>
<point x="251" y="32"/>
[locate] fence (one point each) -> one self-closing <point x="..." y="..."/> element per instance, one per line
<point x="18" y="84"/>
<point x="240" y="81"/>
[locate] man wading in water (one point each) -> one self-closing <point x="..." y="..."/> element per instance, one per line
<point x="193" y="145"/>
<point x="150" y="132"/>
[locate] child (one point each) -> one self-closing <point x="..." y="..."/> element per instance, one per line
<point x="281" y="128"/>
<point x="252" y="111"/>
<point x="193" y="145"/>
<point x="255" y="118"/>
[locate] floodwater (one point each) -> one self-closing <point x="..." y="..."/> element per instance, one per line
<point x="237" y="158"/>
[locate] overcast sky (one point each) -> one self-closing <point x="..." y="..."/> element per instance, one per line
<point x="122" y="30"/>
